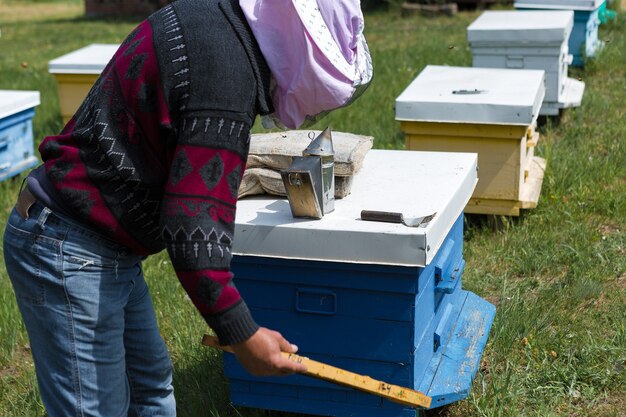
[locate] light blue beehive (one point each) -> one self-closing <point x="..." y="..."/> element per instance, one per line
<point x="583" y="42"/>
<point x="17" y="109"/>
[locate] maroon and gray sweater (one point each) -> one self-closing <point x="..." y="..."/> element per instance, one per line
<point x="154" y="156"/>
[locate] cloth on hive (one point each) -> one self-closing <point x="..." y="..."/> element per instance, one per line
<point x="269" y="181"/>
<point x="272" y="152"/>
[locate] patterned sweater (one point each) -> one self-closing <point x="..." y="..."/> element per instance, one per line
<point x="154" y="156"/>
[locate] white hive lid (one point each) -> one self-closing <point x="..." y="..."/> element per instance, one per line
<point x="473" y="95"/>
<point x="409" y="182"/>
<point x="521" y="28"/>
<point x="91" y="59"/>
<point x="14" y="101"/>
<point x="559" y="4"/>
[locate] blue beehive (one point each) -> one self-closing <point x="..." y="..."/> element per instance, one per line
<point x="16" y="131"/>
<point x="583" y="42"/>
<point x="379" y="299"/>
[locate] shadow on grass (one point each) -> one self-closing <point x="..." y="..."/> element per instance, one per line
<point x="437" y="412"/>
<point x="545" y="123"/>
<point x="201" y="385"/>
<point x="476" y="224"/>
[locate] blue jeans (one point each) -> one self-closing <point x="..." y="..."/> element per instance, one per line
<point x="90" y="319"/>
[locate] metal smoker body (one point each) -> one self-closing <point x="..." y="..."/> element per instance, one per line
<point x="322" y="147"/>
<point x="303" y="184"/>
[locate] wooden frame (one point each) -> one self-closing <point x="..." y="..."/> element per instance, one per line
<point x="509" y="175"/>
<point x="73" y="88"/>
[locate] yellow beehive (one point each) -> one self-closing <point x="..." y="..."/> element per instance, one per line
<point x="76" y="72"/>
<point x="491" y="112"/>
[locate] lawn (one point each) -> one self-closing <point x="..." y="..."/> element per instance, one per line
<point x="557" y="274"/>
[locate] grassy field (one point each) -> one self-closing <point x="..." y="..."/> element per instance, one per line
<point x="557" y="274"/>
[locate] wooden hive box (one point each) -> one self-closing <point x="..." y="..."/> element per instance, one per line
<point x="76" y="72"/>
<point x="378" y="299"/>
<point x="491" y="112"/>
<point x="17" y="109"/>
<point x="583" y="42"/>
<point x="529" y="40"/>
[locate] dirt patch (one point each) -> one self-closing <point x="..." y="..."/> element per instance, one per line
<point x="618" y="184"/>
<point x="613" y="405"/>
<point x="609" y="229"/>
<point x="15" y="12"/>
<point x="599" y="303"/>
<point x="21" y="359"/>
<point x="493" y="299"/>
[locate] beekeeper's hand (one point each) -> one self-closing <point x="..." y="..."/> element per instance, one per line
<point x="260" y="355"/>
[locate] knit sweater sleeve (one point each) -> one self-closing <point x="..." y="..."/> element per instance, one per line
<point x="198" y="217"/>
<point x="215" y="81"/>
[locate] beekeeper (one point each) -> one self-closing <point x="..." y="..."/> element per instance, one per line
<point x="153" y="159"/>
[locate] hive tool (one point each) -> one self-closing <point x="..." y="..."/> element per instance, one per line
<point x="394" y="217"/>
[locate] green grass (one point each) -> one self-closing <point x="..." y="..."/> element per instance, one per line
<point x="557" y="274"/>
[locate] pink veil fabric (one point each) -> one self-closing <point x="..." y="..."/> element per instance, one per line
<point x="317" y="64"/>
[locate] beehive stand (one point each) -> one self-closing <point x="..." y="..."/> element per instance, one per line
<point x="377" y="299"/>
<point x="583" y="42"/>
<point x="76" y="72"/>
<point x="491" y="112"/>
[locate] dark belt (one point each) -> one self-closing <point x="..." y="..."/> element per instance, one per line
<point x="25" y="201"/>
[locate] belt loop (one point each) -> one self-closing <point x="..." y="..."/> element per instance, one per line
<point x="43" y="216"/>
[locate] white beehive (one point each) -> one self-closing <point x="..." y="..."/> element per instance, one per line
<point x="529" y="40"/>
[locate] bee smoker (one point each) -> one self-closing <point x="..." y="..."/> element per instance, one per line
<point x="322" y="147"/>
<point x="310" y="179"/>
